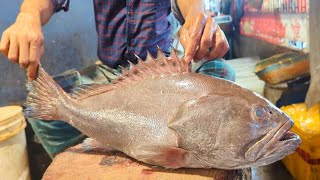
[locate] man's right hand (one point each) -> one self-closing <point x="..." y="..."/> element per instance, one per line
<point x="22" y="42"/>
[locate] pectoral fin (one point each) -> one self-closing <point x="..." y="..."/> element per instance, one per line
<point x="90" y="144"/>
<point x="168" y="157"/>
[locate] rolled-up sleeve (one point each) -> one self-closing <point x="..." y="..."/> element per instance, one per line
<point x="176" y="11"/>
<point x="60" y="5"/>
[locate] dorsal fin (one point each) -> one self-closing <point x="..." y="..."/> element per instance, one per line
<point x="87" y="90"/>
<point x="151" y="67"/>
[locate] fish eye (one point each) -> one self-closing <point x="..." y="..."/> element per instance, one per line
<point x="259" y="113"/>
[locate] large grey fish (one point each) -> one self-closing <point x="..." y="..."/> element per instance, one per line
<point x="160" y="113"/>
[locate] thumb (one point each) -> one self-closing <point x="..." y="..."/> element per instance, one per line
<point x="32" y="71"/>
<point x="195" y="37"/>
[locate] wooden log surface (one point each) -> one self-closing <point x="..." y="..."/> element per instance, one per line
<point x="74" y="164"/>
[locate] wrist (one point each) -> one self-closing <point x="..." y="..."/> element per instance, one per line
<point x="31" y="14"/>
<point x="191" y="7"/>
<point x="195" y="10"/>
<point x="40" y="10"/>
<point x="33" y="17"/>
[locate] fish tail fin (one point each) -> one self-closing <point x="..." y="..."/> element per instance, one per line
<point x="44" y="98"/>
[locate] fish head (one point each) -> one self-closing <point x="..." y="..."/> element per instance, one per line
<point x="272" y="138"/>
<point x="234" y="128"/>
<point x="256" y="133"/>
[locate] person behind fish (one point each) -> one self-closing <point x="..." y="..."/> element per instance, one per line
<point x="125" y="29"/>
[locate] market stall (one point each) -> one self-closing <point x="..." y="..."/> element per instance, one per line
<point x="198" y="112"/>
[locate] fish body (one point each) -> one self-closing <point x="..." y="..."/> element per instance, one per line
<point x="160" y="113"/>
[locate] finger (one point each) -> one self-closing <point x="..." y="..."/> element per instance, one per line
<point x="24" y="54"/>
<point x="224" y="50"/>
<point x="194" y="39"/>
<point x="206" y="42"/>
<point x="13" y="53"/>
<point x="224" y="45"/>
<point x="221" y="46"/>
<point x="4" y="44"/>
<point x="32" y="70"/>
<point x="35" y="53"/>
<point x="41" y="52"/>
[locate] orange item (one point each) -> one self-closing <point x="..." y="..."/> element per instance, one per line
<point x="304" y="164"/>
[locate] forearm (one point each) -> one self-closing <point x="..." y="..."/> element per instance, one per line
<point x="191" y="7"/>
<point x="38" y="8"/>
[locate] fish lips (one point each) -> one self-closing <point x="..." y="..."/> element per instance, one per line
<point x="278" y="141"/>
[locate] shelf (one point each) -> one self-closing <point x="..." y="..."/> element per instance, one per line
<point x="288" y="30"/>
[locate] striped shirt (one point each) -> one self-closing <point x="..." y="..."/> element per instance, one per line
<point x="129" y="27"/>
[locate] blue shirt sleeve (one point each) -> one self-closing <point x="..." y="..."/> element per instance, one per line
<point x="176" y="11"/>
<point x="60" y="5"/>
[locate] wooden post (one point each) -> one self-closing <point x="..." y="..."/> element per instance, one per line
<point x="313" y="95"/>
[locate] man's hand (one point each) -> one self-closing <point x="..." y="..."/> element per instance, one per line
<point x="22" y="42"/>
<point x="202" y="38"/>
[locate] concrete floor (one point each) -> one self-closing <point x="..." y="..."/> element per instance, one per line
<point x="275" y="171"/>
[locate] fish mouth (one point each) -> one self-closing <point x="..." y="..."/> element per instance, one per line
<point x="279" y="141"/>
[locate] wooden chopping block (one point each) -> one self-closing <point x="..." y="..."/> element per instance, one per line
<point x="75" y="164"/>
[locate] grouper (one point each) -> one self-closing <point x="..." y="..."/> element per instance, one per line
<point x="159" y="112"/>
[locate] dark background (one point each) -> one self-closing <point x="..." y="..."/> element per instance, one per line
<point x="70" y="42"/>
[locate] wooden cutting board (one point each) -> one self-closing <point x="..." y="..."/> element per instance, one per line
<point x="74" y="164"/>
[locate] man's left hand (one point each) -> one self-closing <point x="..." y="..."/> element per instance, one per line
<point x="202" y="39"/>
